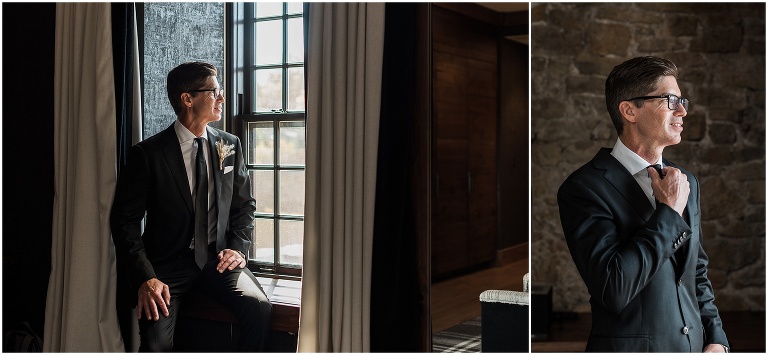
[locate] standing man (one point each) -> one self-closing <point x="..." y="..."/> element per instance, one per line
<point x="191" y="183"/>
<point x="633" y="225"/>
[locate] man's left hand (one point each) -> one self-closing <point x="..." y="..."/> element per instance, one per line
<point x="230" y="259"/>
<point x="714" y="348"/>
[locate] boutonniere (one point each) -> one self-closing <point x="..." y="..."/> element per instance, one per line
<point x="224" y="150"/>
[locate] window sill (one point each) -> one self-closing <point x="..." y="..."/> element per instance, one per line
<point x="285" y="296"/>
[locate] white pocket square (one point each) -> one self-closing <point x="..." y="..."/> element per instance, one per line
<point x="228" y="169"/>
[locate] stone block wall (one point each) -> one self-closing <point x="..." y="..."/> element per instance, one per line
<point x="720" y="52"/>
<point x="175" y="33"/>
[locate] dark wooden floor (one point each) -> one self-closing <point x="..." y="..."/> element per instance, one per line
<point x="458" y="299"/>
<point x="745" y="331"/>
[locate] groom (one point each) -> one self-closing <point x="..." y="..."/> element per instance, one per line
<point x="632" y="221"/>
<point x="190" y="184"/>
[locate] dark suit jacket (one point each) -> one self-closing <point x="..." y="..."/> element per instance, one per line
<point x="645" y="268"/>
<point x="154" y="182"/>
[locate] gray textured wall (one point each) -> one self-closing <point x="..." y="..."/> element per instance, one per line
<point x="175" y="33"/>
<point x="720" y="51"/>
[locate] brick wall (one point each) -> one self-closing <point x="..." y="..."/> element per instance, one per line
<point x="720" y="52"/>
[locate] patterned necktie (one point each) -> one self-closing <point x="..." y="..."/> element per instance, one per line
<point x="201" y="206"/>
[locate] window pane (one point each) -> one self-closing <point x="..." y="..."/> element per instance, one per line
<point x="292" y="192"/>
<point x="268" y="9"/>
<point x="268" y="95"/>
<point x="261" y="143"/>
<point x="292" y="145"/>
<point x="295" y="40"/>
<point x="291" y="242"/>
<point x="295" y="8"/>
<point x="264" y="240"/>
<point x="296" y="89"/>
<point x="269" y="42"/>
<point x="263" y="185"/>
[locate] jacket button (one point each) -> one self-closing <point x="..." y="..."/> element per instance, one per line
<point x="685" y="330"/>
<point x="680" y="282"/>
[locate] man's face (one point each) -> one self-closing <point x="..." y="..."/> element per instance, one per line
<point x="205" y="106"/>
<point x="657" y="125"/>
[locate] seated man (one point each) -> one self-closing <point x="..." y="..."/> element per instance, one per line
<point x="191" y="183"/>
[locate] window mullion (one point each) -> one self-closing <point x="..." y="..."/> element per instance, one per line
<point x="276" y="152"/>
<point x="248" y="57"/>
<point x="285" y="58"/>
<point x="277" y="135"/>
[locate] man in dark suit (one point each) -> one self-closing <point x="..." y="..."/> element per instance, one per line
<point x="190" y="184"/>
<point x="633" y="225"/>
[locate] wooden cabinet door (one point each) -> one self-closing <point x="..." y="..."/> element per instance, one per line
<point x="481" y="158"/>
<point x="450" y="137"/>
<point x="464" y="120"/>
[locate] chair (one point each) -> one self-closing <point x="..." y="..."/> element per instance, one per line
<point x="504" y="319"/>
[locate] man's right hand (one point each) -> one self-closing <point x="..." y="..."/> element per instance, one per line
<point x="154" y="294"/>
<point x="673" y="190"/>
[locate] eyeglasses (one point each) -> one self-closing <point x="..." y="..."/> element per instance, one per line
<point x="216" y="92"/>
<point x="673" y="101"/>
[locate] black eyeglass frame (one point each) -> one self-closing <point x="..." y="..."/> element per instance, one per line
<point x="678" y="100"/>
<point x="216" y="92"/>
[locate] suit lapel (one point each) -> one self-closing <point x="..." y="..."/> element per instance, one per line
<point x="624" y="183"/>
<point x="213" y="137"/>
<point x="172" y="152"/>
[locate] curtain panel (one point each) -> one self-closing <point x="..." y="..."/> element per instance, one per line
<point x="344" y="60"/>
<point x="80" y="307"/>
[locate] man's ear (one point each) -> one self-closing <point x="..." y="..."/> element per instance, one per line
<point x="628" y="111"/>
<point x="186" y="99"/>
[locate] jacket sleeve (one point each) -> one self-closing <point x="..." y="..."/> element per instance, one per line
<point x="243" y="206"/>
<point x="128" y="209"/>
<point x="614" y="267"/>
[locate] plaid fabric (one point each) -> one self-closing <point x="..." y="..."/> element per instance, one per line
<point x="462" y="338"/>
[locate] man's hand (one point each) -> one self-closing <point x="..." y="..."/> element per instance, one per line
<point x="153" y="294"/>
<point x="714" y="348"/>
<point x="673" y="190"/>
<point x="229" y="259"/>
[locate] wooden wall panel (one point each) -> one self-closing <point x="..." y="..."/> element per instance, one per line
<point x="465" y="111"/>
<point x="513" y="145"/>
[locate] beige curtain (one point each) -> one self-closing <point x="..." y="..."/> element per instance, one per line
<point x="343" y="68"/>
<point x="80" y="311"/>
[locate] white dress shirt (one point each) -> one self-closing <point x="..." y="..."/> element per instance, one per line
<point x="189" y="153"/>
<point x="636" y="167"/>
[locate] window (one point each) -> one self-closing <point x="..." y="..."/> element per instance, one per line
<point x="268" y="62"/>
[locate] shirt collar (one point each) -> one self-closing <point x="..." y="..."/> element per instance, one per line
<point x="184" y="135"/>
<point x="629" y="159"/>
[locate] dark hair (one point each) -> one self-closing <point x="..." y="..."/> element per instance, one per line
<point x="185" y="78"/>
<point x="635" y="77"/>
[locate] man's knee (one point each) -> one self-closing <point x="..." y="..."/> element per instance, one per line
<point x="157" y="336"/>
<point x="154" y="342"/>
<point x="258" y="305"/>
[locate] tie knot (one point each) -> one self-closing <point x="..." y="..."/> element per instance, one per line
<point x="657" y="167"/>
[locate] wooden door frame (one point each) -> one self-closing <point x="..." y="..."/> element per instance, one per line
<point x="422" y="175"/>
